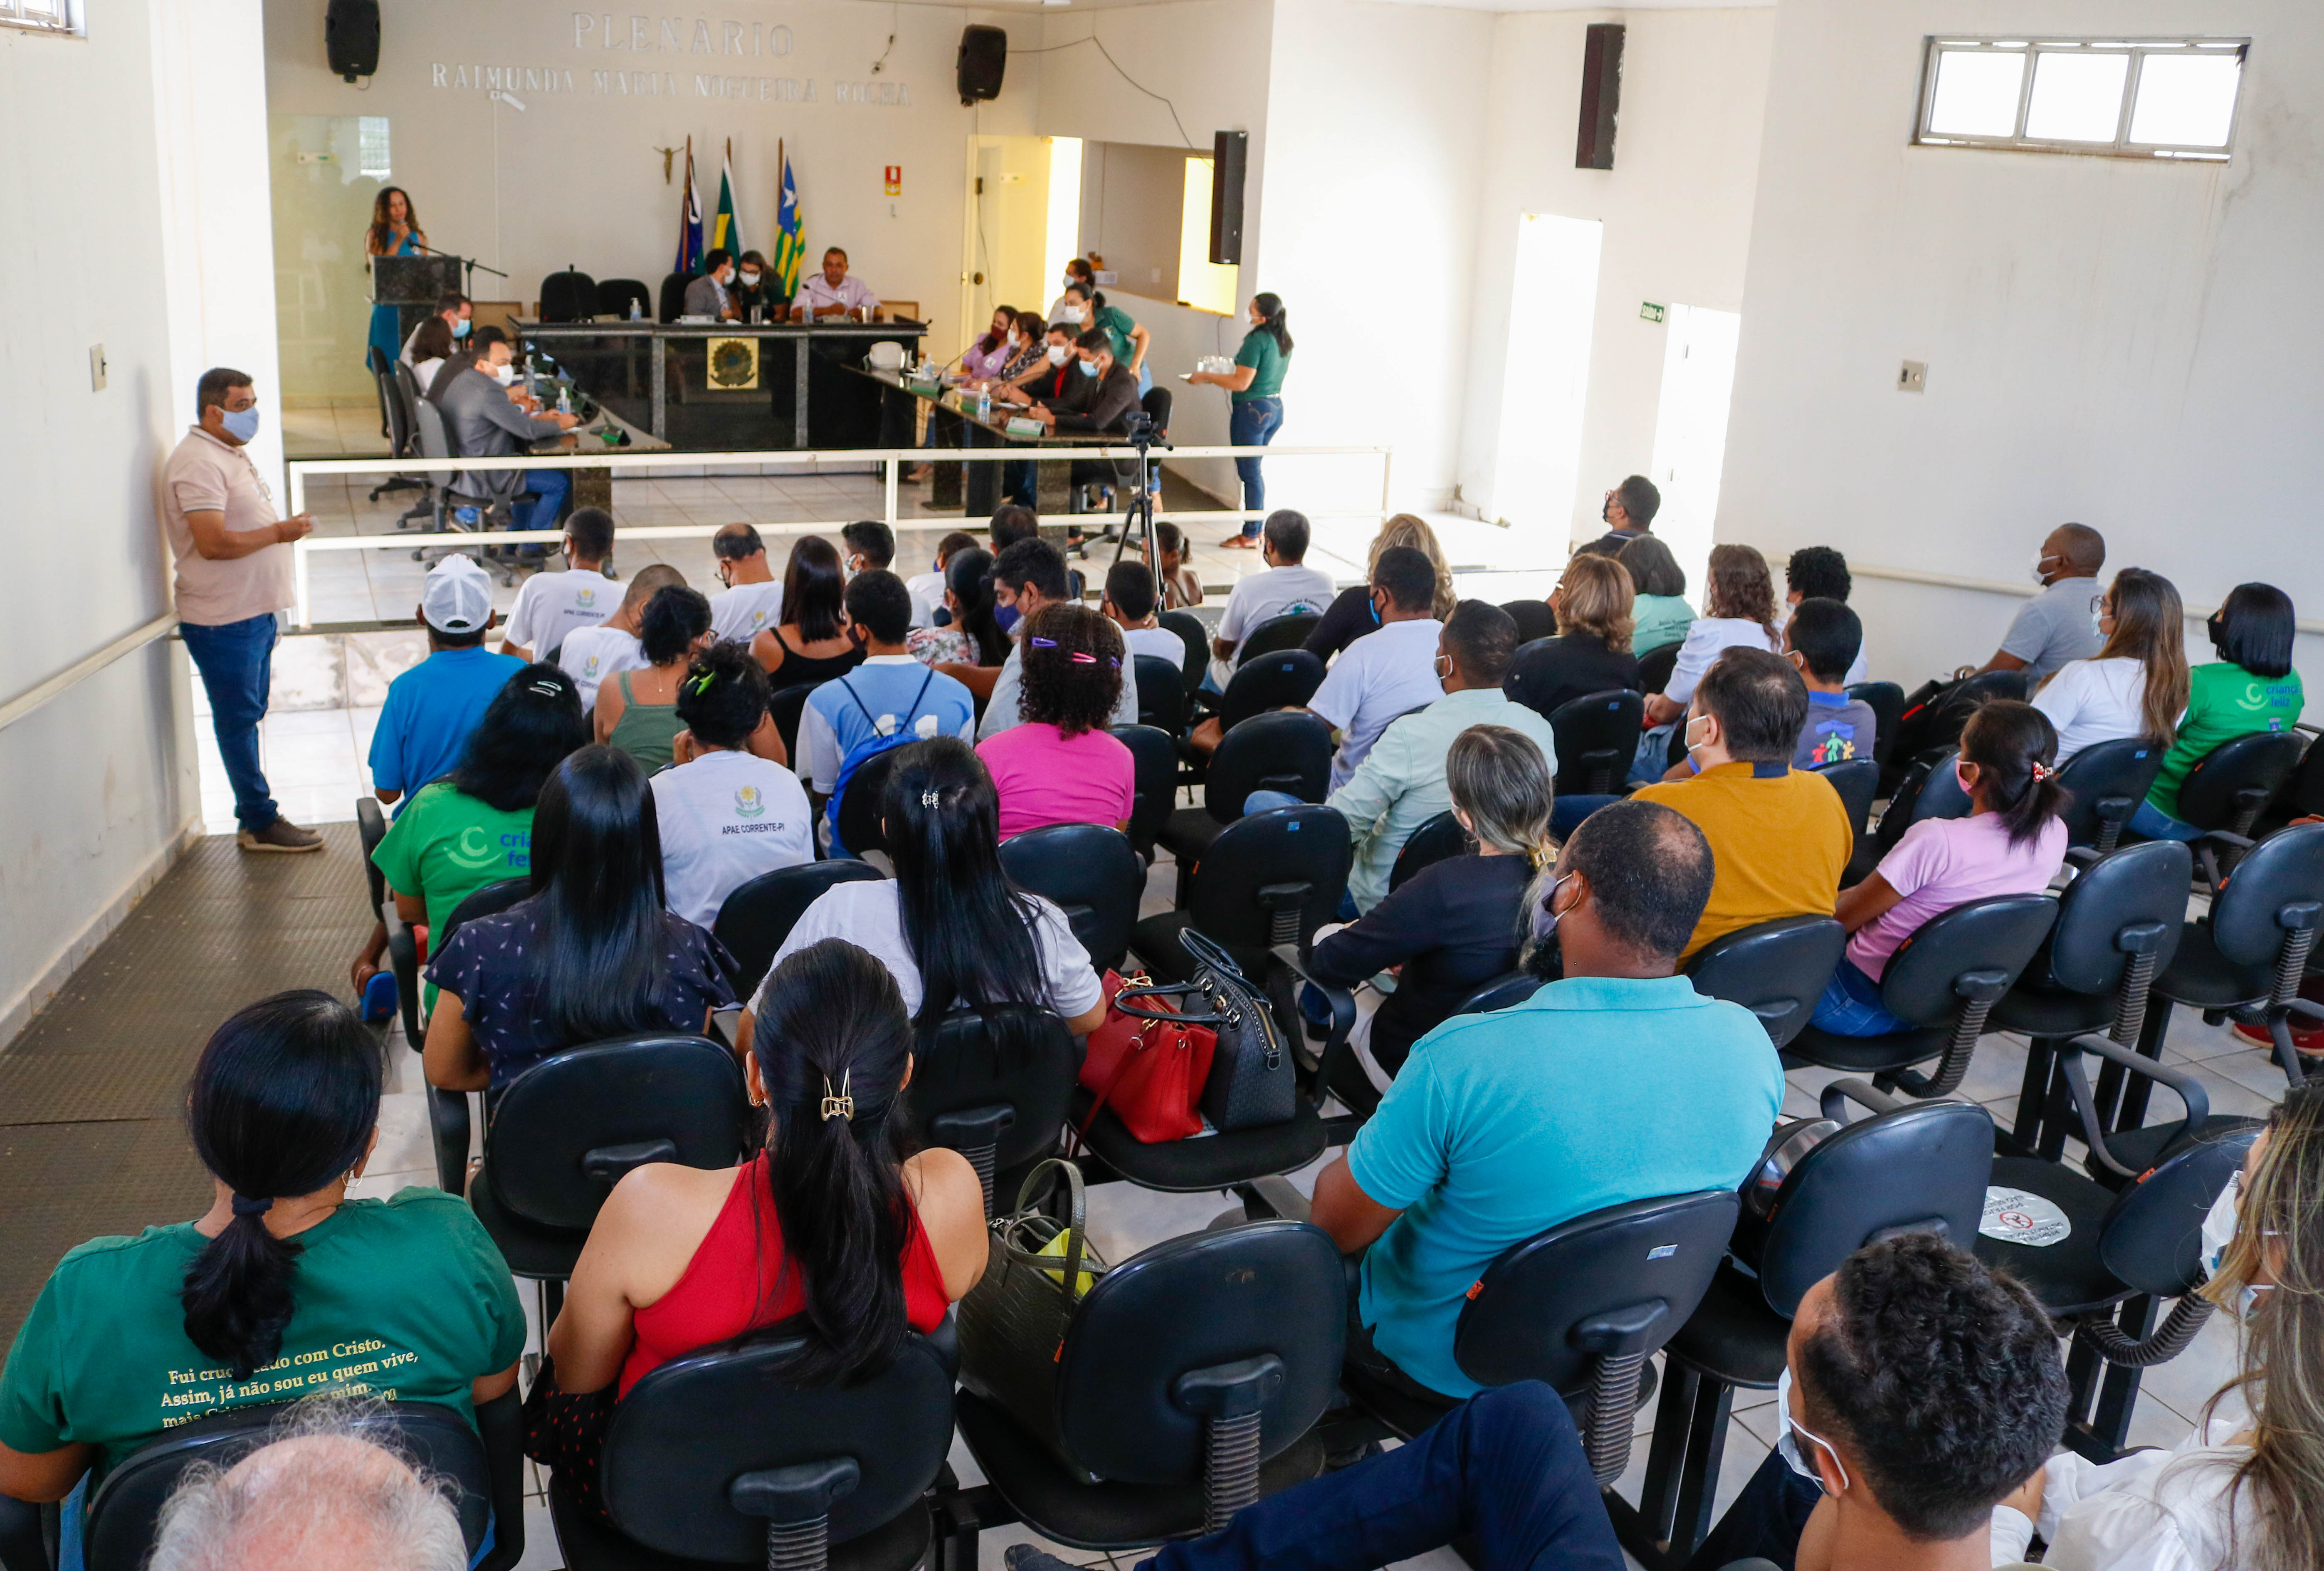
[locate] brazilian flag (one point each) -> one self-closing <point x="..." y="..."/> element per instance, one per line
<point x="790" y="234"/>
<point x="726" y="228"/>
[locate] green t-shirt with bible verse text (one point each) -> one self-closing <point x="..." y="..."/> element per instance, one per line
<point x="405" y="1299"/>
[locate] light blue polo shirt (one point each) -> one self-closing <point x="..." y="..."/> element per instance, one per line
<point x="430" y="711"/>
<point x="1596" y="1092"/>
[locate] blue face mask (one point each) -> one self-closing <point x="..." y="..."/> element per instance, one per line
<point x="460" y="328"/>
<point x="1089" y="367"/>
<point x="240" y="424"/>
<point x="1006" y="616"/>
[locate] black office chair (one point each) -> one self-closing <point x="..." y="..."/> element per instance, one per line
<point x="1276" y="634"/>
<point x="715" y="1458"/>
<point x="784" y="705"/>
<point x="1265" y="879"/>
<point x="863" y="801"/>
<point x="377" y="364"/>
<point x="2224" y="793"/>
<point x="371" y="828"/>
<point x="1188" y="1385"/>
<point x="1778" y="970"/>
<point x="395" y="425"/>
<point x="1440" y="837"/>
<point x="448" y="1111"/>
<point x="1189" y="629"/>
<point x="2302" y="794"/>
<point x="1506" y="991"/>
<point x="617" y="295"/>
<point x="1597" y="736"/>
<point x="753" y="921"/>
<point x="1286" y="679"/>
<point x="1931" y="789"/>
<point x="1857" y="781"/>
<point x="994" y="1084"/>
<point x="2103" y="784"/>
<point x="487" y="1473"/>
<point x="1655" y="664"/>
<point x="1156" y="756"/>
<point x="1092" y="873"/>
<point x="1910" y="1167"/>
<point x="1886" y="701"/>
<point x="1944" y="980"/>
<point x="1161" y="693"/>
<point x="1284" y="751"/>
<point x="566" y="1130"/>
<point x="569" y="296"/>
<point x="673" y="295"/>
<point x="1534" y="618"/>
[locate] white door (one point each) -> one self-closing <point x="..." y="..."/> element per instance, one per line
<point x="1691" y="433"/>
<point x="1538" y="462"/>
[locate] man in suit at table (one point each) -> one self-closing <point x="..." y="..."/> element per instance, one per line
<point x="712" y="294"/>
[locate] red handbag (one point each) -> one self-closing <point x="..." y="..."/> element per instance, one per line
<point x="1151" y="1072"/>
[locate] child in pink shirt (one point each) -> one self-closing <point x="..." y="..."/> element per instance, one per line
<point x="1061" y="765"/>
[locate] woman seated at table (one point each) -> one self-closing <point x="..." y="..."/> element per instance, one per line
<point x="811" y="644"/>
<point x="836" y="1232"/>
<point x="431" y="346"/>
<point x="1027" y="349"/>
<point x="984" y="358"/>
<point x="974" y="637"/>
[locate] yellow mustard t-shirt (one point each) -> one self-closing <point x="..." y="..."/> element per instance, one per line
<point x="1779" y="841"/>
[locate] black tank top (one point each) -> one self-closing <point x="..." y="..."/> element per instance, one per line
<point x="799" y="669"/>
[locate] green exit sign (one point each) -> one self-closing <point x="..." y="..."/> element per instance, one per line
<point x="1651" y="312"/>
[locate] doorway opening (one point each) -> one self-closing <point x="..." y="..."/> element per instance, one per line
<point x="1691" y="432"/>
<point x="1553" y="300"/>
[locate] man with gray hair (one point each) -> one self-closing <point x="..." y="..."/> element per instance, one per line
<point x="323" y="1498"/>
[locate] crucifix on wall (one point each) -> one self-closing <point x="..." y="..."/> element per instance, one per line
<point x="666" y="155"/>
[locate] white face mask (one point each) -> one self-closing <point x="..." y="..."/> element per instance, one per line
<point x="2041" y="572"/>
<point x="1788" y="1445"/>
<point x="750" y="278"/>
<point x="1070" y="314"/>
<point x="1056" y="353"/>
<point x="1692" y="745"/>
<point x="504" y="375"/>
<point x="2219" y="1225"/>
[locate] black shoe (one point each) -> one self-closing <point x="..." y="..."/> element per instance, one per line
<point x="1026" y="1558"/>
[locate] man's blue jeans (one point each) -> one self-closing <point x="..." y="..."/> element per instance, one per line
<point x="2157" y="825"/>
<point x="237" y="660"/>
<point x="549" y="487"/>
<point x="1252" y="423"/>
<point x="1505" y="1467"/>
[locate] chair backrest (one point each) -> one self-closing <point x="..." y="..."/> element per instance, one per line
<point x="1440" y="837"/>
<point x="1534" y="618"/>
<point x="1284" y="679"/>
<point x="375" y="359"/>
<point x="2153" y="1235"/>
<point x="2275" y="890"/>
<point x="1272" y="877"/>
<point x="1776" y="970"/>
<point x="784" y="704"/>
<point x="1161" y="693"/>
<point x="860" y="804"/>
<point x="1857" y="781"/>
<point x="754" y="920"/>
<point x="614" y="296"/>
<point x="392" y="409"/>
<point x="1156" y="404"/>
<point x="371" y="828"/>
<point x="1003" y="1056"/>
<point x="1980" y="943"/>
<point x="1092" y="873"/>
<point x="1156" y="756"/>
<point x="1189" y="629"/>
<point x="2103" y="784"/>
<point x="568" y="297"/>
<point x="569" y="1127"/>
<point x="1597" y="736"/>
<point x="1280" y="751"/>
<point x="2229" y="784"/>
<point x="1618" y="1280"/>
<point x="1922" y="1168"/>
<point x="435" y="436"/>
<point x="1190" y="1306"/>
<point x="1506" y="991"/>
<point x="1886" y="701"/>
<point x="488" y="901"/>
<point x="1941" y="794"/>
<point x="689" y="1443"/>
<point x="1655" y="666"/>
<point x="1288" y="630"/>
<point x="673" y="295"/>
<point x="2304" y="792"/>
<point x="2138" y="894"/>
<point x="124" y="1509"/>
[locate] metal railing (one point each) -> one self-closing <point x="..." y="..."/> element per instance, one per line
<point x="890" y="461"/>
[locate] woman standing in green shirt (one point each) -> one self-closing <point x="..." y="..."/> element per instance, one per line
<point x="2251" y="687"/>
<point x="1256" y="386"/>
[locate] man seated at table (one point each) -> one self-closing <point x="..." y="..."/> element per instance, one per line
<point x="483" y="424"/>
<point x="1100" y="395"/>
<point x="754" y="287"/>
<point x="831" y="294"/>
<point x="710" y="295"/>
<point x="457" y="311"/>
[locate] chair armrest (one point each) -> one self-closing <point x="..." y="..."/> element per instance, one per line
<point x="1273" y="1196"/>
<point x="501" y="1423"/>
<point x="1343" y="1005"/>
<point x="2224" y="837"/>
<point x="1840" y="1093"/>
<point x="725" y="1025"/>
<point x="2083" y="856"/>
<point x="2192" y="1097"/>
<point x="1984" y="985"/>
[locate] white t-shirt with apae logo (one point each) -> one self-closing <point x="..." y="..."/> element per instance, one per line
<point x="591" y="655"/>
<point x="740" y="613"/>
<point x="725" y="818"/>
<point x="552" y="606"/>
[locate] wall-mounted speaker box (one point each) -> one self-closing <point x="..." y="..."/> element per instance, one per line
<point x="351" y="37"/>
<point x="1229" y="152"/>
<point x="1601" y="95"/>
<point x="983" y="60"/>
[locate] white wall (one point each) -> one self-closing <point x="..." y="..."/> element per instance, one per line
<point x="1676" y="206"/>
<point x="2129" y="344"/>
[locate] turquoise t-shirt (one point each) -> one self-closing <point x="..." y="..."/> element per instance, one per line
<point x="1596" y="1092"/>
<point x="1661" y="619"/>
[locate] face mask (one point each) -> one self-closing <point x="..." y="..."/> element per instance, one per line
<point x="1071" y="281"/>
<point x="1546" y="915"/>
<point x="750" y="278"/>
<point x="241" y="424"/>
<point x="1056" y="353"/>
<point x="1787" y="1442"/>
<point x="460" y="329"/>
<point x="504" y="375"/>
<point x="2220" y="1224"/>
<point x="1089" y="367"/>
<point x="1960" y="779"/>
<point x="2041" y="575"/>
<point x="1013" y="340"/>
<point x="1071" y="313"/>
<point x="1006" y="616"/>
<point x="2097" y="623"/>
<point x="1691" y="745"/>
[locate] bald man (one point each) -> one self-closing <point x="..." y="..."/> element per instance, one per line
<point x="2060" y="622"/>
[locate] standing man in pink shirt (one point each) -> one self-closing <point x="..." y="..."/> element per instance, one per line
<point x="233" y="575"/>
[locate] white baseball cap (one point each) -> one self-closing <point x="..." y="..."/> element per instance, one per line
<point x="458" y="596"/>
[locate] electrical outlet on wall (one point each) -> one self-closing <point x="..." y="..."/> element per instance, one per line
<point x="96" y="368"/>
<point x="1914" y="377"/>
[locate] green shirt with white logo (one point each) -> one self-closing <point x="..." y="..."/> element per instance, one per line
<point x="2224" y="702"/>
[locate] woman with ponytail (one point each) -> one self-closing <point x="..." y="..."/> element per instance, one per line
<point x="2012" y="843"/>
<point x="1255" y="387"/>
<point x="833" y="1233"/>
<point x="284" y="1286"/>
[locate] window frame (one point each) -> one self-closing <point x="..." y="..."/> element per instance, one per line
<point x="2030" y="48"/>
<point x="64" y="19"/>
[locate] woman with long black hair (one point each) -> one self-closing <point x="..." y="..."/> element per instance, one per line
<point x="974" y="637"/>
<point x="283" y="1274"/>
<point x="591" y="953"/>
<point x="1255" y="385"/>
<point x="811" y="642"/>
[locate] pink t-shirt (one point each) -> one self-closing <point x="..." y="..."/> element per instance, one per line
<point x="1046" y="778"/>
<point x="1942" y="862"/>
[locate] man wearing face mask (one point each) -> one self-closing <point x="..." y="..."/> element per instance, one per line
<point x="458" y="313"/>
<point x="2058" y="625"/>
<point x="1100" y="394"/>
<point x="233" y="572"/>
<point x="712" y="294"/>
<point x="483" y="423"/>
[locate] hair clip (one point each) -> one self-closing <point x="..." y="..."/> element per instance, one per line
<point x="842" y="1105"/>
<point x="547" y="689"/>
<point x="931" y="799"/>
<point x="1081" y="658"/>
<point x="1043" y="642"/>
<point x="2044" y="772"/>
<point x="703" y="682"/>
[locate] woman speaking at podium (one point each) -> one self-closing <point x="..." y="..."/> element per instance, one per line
<point x="395" y="231"/>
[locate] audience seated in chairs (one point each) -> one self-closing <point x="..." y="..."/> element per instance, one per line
<point x="2012" y="843"/>
<point x="1394" y="671"/>
<point x="867" y="546"/>
<point x="1593" y="652"/>
<point x="432" y="708"/>
<point x="1061" y="765"/>
<point x="928" y="588"/>
<point x="811" y="642"/>
<point x="636" y="710"/>
<point x="1615" y="1083"/>
<point x="2137" y="685"/>
<point x="131" y="1335"/>
<point x="1287" y="585"/>
<point x="2056" y="625"/>
<point x="1010" y="523"/>
<point x="752" y="600"/>
<point x="1130" y="606"/>
<point x="1029" y="575"/>
<point x="552" y="606"/>
<point x="973" y="635"/>
<point x="836" y="1232"/>
<point x="1822" y="640"/>
<point x="950" y="925"/>
<point x="1738" y="613"/>
<point x="1660" y="613"/>
<point x="886" y="702"/>
<point x="591" y="953"/>
<point x="591" y="655"/>
<point x="1780" y="835"/>
<point x="726" y="812"/>
<point x="1455" y="924"/>
<point x="1820" y="573"/>
<point x="1352" y="615"/>
<point x="2251" y="687"/>
<point x="1180" y="585"/>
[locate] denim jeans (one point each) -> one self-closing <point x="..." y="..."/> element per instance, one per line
<point x="1504" y="1468"/>
<point x="1851" y="1007"/>
<point x="1566" y="814"/>
<point x="551" y="486"/>
<point x="1765" y="1519"/>
<point x="1252" y="423"/>
<point x="2157" y="825"/>
<point x="237" y="660"/>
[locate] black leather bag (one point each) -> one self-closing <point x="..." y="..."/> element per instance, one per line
<point x="1252" y="1081"/>
<point x="1013" y="1322"/>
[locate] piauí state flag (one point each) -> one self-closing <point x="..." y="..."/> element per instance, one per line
<point x="726" y="228"/>
<point x="790" y="234"/>
<point x="689" y="224"/>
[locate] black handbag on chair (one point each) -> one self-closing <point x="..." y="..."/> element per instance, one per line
<point x="1252" y="1080"/>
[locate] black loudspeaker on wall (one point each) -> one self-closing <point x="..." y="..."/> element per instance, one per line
<point x="983" y="60"/>
<point x="1601" y="95"/>
<point x="351" y="37"/>
<point x="1230" y="151"/>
